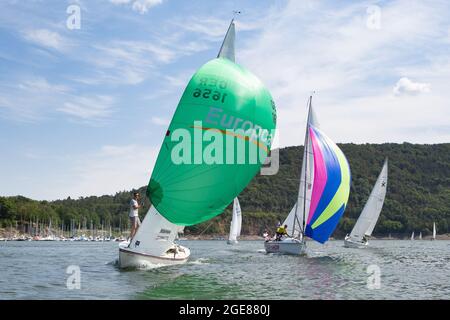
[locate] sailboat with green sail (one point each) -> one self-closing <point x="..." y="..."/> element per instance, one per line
<point x="222" y="101"/>
<point x="324" y="188"/>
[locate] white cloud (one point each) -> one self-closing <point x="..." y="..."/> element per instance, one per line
<point x="31" y="100"/>
<point x="305" y="47"/>
<point x="134" y="52"/>
<point x="160" y="121"/>
<point x="129" y="62"/>
<point x="180" y="80"/>
<point x="111" y="150"/>
<point x="93" y="108"/>
<point x="214" y="28"/>
<point x="36" y="99"/>
<point x="120" y="1"/>
<point x="41" y="85"/>
<point x="141" y="6"/>
<point x="406" y="86"/>
<point x="46" y="38"/>
<point x="132" y="62"/>
<point x="111" y="169"/>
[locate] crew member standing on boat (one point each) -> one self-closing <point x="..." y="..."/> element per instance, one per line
<point x="134" y="214"/>
<point x="281" y="231"/>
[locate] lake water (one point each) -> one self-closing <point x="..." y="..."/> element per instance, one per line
<point x="408" y="270"/>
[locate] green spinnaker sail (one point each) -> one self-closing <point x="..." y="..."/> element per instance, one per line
<point x="200" y="167"/>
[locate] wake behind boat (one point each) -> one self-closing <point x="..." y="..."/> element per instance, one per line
<point x="363" y="228"/>
<point x="324" y="188"/>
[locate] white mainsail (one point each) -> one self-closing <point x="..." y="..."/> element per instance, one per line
<point x="299" y="212"/>
<point x="155" y="235"/>
<point x="412" y="235"/>
<point x="434" y="231"/>
<point x="227" y="48"/>
<point x="372" y="209"/>
<point x="236" y="221"/>
<point x="289" y="221"/>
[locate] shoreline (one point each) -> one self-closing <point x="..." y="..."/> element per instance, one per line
<point x="256" y="237"/>
<point x="9" y="234"/>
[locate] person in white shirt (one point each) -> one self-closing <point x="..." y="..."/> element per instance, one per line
<point x="134" y="215"/>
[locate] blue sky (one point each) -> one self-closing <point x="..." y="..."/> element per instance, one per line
<point x="83" y="112"/>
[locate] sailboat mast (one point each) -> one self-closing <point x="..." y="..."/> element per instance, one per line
<point x="302" y="223"/>
<point x="306" y="162"/>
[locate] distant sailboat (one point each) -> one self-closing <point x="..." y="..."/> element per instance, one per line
<point x="236" y="223"/>
<point x="420" y="236"/>
<point x="324" y="188"/>
<point x="412" y="235"/>
<point x="370" y="214"/>
<point x="50" y="236"/>
<point x="434" y="231"/>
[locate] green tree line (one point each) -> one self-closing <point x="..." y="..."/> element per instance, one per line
<point x="418" y="194"/>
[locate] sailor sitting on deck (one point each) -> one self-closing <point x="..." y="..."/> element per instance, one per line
<point x="173" y="250"/>
<point x="281" y="231"/>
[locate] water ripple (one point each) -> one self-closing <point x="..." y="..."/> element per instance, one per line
<point x="408" y="270"/>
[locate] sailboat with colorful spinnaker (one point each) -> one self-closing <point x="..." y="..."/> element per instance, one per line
<point x="225" y="110"/>
<point x="324" y="188"/>
<point x="366" y="222"/>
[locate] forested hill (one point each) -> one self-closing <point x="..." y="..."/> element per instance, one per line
<point x="418" y="194"/>
<point x="418" y="186"/>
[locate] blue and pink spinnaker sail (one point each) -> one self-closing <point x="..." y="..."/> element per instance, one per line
<point x="330" y="186"/>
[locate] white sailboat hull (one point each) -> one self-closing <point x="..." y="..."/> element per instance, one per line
<point x="129" y="258"/>
<point x="286" y="246"/>
<point x="348" y="243"/>
<point x="153" y="244"/>
<point x="232" y="242"/>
